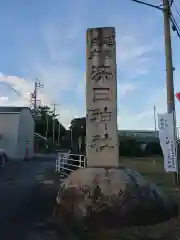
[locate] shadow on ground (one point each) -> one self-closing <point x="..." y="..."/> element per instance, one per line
<point x="46" y="226"/>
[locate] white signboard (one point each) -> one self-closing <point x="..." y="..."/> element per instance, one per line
<point x="168" y="141"/>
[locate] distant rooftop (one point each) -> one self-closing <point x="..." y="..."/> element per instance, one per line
<point x="135" y="130"/>
<point x="138" y="133"/>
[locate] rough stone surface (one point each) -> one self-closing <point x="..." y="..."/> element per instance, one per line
<point x="111" y="197"/>
<point x="102" y="146"/>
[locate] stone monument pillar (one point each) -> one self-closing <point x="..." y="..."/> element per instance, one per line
<point x="104" y="193"/>
<point x="101" y="98"/>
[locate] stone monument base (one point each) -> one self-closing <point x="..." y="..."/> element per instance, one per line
<point x="111" y="197"/>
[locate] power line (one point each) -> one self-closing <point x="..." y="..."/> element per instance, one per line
<point x="171" y="2"/>
<point x="168" y="16"/>
<point x="176" y="9"/>
<point x="175" y="26"/>
<point x="148" y="4"/>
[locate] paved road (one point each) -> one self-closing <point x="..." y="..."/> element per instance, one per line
<point x="24" y="201"/>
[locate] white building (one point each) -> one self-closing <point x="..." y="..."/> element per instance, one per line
<point x="17" y="132"/>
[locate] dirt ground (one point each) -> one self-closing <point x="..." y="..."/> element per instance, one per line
<point x="152" y="169"/>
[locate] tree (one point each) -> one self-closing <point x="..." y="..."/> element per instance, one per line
<point x="153" y="148"/>
<point x="130" y="147"/>
<point x="44" y="124"/>
<point x="77" y="132"/>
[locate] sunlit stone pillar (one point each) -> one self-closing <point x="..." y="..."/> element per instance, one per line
<point x="101" y="98"/>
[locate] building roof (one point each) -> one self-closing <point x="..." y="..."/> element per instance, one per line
<point x="11" y="109"/>
<point x="16" y="109"/>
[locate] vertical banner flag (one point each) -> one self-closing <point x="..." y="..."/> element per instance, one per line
<point x="168" y="141"/>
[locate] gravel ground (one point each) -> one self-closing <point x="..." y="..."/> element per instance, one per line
<point x="25" y="201"/>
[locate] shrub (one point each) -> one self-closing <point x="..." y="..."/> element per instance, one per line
<point x="130" y="148"/>
<point x="153" y="148"/>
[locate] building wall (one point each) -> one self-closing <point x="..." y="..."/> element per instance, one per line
<point x="26" y="134"/>
<point x="9" y="131"/>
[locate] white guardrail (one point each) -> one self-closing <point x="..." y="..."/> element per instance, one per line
<point x="67" y="163"/>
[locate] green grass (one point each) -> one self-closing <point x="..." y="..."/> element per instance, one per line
<point x="153" y="170"/>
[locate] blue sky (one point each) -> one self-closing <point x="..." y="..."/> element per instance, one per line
<point x="46" y="39"/>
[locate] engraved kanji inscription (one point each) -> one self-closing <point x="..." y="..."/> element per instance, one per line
<point x="95" y="49"/>
<point x="99" y="115"/>
<point x="101" y="74"/>
<point x="100" y="143"/>
<point x="101" y="94"/>
<point x="109" y="40"/>
<point x="95" y="141"/>
<point x="102" y="78"/>
<point x="96" y="70"/>
<point x="107" y="52"/>
<point x="100" y="46"/>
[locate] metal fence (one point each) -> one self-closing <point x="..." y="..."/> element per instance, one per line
<point x="67" y="163"/>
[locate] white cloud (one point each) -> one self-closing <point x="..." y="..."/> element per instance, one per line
<point x="144" y="119"/>
<point x="24" y="87"/>
<point x="3" y="99"/>
<point x="58" y="79"/>
<point x="130" y="48"/>
<point x="134" y="56"/>
<point x="132" y="122"/>
<point x="60" y="73"/>
<point x="68" y="113"/>
<point x="125" y="88"/>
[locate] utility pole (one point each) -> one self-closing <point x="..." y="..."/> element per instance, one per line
<point x="165" y="8"/>
<point x="169" y="75"/>
<point x="59" y="131"/>
<point x="37" y="85"/>
<point x="169" y="64"/>
<point x="35" y="99"/>
<point x="71" y="132"/>
<point x="155" y="127"/>
<point x="47" y="124"/>
<point x="54" y="115"/>
<point x="54" y="112"/>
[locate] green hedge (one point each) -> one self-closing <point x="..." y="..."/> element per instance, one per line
<point x="133" y="148"/>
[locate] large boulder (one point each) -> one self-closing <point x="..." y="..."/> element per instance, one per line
<point x="112" y="197"/>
